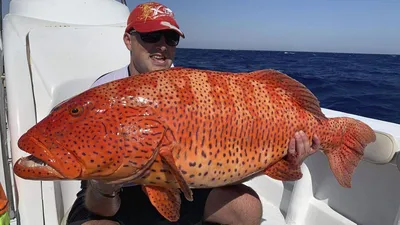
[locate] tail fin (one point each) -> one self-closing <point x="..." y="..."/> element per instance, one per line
<point x="343" y="140"/>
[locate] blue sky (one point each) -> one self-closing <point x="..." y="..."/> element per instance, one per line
<point x="364" y="26"/>
<point x="357" y="26"/>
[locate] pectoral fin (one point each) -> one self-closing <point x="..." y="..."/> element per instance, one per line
<point x="284" y="171"/>
<point x="166" y="201"/>
<point x="168" y="159"/>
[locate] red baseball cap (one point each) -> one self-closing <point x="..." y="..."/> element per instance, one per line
<point x="152" y="16"/>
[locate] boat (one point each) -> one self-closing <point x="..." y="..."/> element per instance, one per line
<point x="54" y="49"/>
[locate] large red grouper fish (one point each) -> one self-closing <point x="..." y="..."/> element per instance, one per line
<point x="182" y="128"/>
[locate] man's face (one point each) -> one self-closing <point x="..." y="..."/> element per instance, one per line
<point x="147" y="57"/>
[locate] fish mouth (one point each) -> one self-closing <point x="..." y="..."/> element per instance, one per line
<point x="41" y="163"/>
<point x="31" y="167"/>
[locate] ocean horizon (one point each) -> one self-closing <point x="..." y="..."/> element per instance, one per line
<point x="295" y="51"/>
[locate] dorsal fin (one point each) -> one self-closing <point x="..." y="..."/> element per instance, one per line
<point x="299" y="93"/>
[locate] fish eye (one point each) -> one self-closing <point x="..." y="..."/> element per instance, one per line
<point x="76" y="110"/>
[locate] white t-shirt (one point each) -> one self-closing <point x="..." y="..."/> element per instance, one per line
<point x="111" y="76"/>
<point x="114" y="75"/>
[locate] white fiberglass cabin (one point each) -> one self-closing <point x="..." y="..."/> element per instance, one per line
<point x="54" y="49"/>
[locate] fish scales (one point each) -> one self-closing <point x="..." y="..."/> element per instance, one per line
<point x="211" y="100"/>
<point x="184" y="128"/>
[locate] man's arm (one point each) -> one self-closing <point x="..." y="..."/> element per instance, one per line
<point x="102" y="199"/>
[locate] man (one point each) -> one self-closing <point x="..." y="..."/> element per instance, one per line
<point x="151" y="36"/>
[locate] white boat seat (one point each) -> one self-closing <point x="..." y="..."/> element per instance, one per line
<point x="382" y="150"/>
<point x="81" y="56"/>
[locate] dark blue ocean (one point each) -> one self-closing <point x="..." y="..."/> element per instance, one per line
<point x="362" y="84"/>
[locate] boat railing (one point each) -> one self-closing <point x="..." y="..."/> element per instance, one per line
<point x="5" y="150"/>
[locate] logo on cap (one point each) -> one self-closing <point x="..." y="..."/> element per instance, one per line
<point x="153" y="11"/>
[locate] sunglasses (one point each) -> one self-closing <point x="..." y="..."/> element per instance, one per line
<point x="171" y="37"/>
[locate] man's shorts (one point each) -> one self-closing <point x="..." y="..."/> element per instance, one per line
<point x="136" y="209"/>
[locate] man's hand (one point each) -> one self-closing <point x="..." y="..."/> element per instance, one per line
<point x="300" y="148"/>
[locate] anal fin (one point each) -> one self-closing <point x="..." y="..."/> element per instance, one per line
<point x="284" y="171"/>
<point x="166" y="201"/>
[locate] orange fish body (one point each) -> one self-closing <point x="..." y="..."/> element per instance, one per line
<point x="185" y="128"/>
